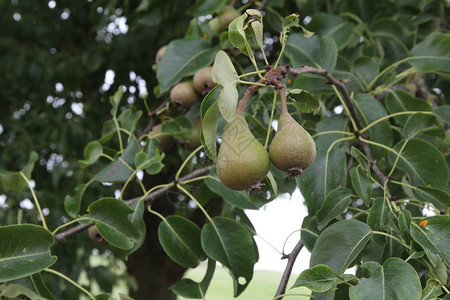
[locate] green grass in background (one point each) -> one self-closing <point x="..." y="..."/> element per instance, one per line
<point x="262" y="287"/>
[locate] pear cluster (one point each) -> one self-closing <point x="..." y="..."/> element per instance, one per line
<point x="243" y="162"/>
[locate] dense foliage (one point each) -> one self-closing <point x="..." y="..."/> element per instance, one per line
<point x="95" y="144"/>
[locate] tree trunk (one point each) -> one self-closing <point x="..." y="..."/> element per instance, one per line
<point x="154" y="271"/>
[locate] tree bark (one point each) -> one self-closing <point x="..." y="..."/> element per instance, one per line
<point x="153" y="270"/>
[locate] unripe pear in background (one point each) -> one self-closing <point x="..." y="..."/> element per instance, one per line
<point x="203" y="81"/>
<point x="194" y="136"/>
<point x="95" y="236"/>
<point x="242" y="161"/>
<point x="165" y="141"/>
<point x="183" y="95"/>
<point x="292" y="149"/>
<point x="160" y="54"/>
<point x="226" y="16"/>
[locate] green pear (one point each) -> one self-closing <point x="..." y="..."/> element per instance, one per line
<point x="292" y="149"/>
<point x="183" y="95"/>
<point x="203" y="81"/>
<point x="226" y="16"/>
<point x="242" y="161"/>
<point x="165" y="141"/>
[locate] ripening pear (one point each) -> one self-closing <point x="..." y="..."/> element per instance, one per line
<point x="292" y="149"/>
<point x="95" y="236"/>
<point x="226" y="16"/>
<point x="160" y="54"/>
<point x="165" y="141"/>
<point x="183" y="95"/>
<point x="242" y="161"/>
<point x="203" y="81"/>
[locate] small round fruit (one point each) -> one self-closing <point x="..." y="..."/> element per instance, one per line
<point x="203" y="81"/>
<point x="292" y="149"/>
<point x="95" y="236"/>
<point x="227" y="15"/>
<point x="242" y="161"/>
<point x="183" y="95"/>
<point x="160" y="54"/>
<point x="194" y="137"/>
<point x="165" y="141"/>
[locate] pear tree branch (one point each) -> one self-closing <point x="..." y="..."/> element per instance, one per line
<point x="291" y="257"/>
<point x="352" y="111"/>
<point x="148" y="200"/>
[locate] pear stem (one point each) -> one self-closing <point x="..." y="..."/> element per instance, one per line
<point x="284" y="109"/>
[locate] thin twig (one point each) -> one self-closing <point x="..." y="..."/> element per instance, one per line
<point x="352" y="111"/>
<point x="153" y="115"/>
<point x="148" y="200"/>
<point x="291" y="257"/>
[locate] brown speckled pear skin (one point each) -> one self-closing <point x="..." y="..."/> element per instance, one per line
<point x="292" y="146"/>
<point x="242" y="160"/>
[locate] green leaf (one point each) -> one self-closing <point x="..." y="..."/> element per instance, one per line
<point x="288" y="23"/>
<point x="305" y="101"/>
<point x="178" y="127"/>
<point x="309" y="232"/>
<point x="129" y="118"/>
<point x="335" y="204"/>
<point x="424" y="164"/>
<point x="210" y="115"/>
<point x="24" y="250"/>
<point x="443" y="112"/>
<point x="361" y="159"/>
<point x="230" y="243"/>
<point x="319" y="278"/>
<point x="111" y="218"/>
<point x="121" y="168"/>
<point x="419" y="123"/>
<point x="438" y="198"/>
<point x="332" y="123"/>
<point x="273" y="183"/>
<point x="137" y="220"/>
<point x="332" y="26"/>
<point x="225" y="75"/>
<point x="92" y="152"/>
<point x="108" y="131"/>
<point x="206" y="7"/>
<point x="318" y="52"/>
<point x="432" y="54"/>
<point x="404" y="223"/>
<point x="395" y="279"/>
<point x="366" y="68"/>
<point x="350" y="235"/>
<point x="40" y="286"/>
<point x="369" y="110"/>
<point x="188" y="288"/>
<point x="362" y="184"/>
<point x="433" y="235"/>
<point x="236" y="34"/>
<point x="258" y="32"/>
<point x="15" y="290"/>
<point x="327" y="172"/>
<point x="400" y="101"/>
<point x="183" y="57"/>
<point x="13" y="181"/>
<point x="142" y="161"/>
<point x="378" y="218"/>
<point x="115" y="100"/>
<point x="236" y="198"/>
<point x="432" y="290"/>
<point x="180" y="239"/>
